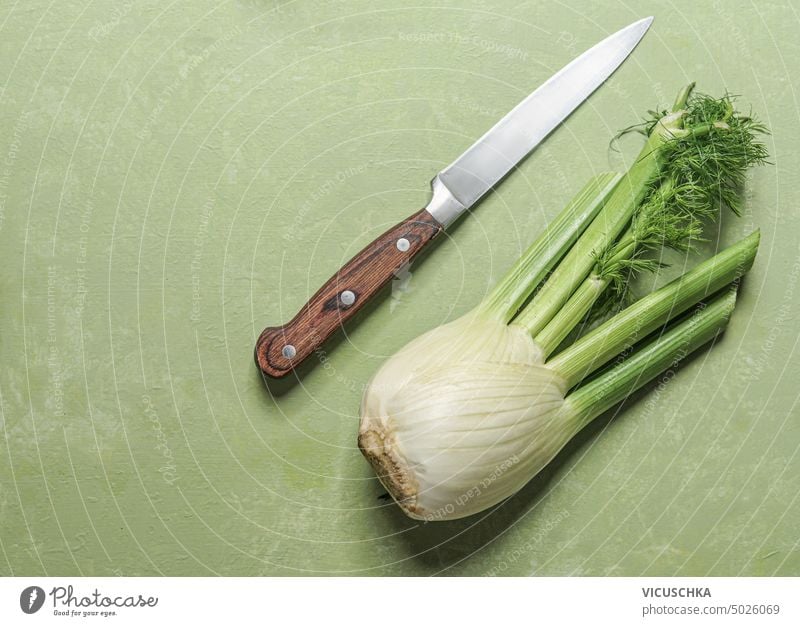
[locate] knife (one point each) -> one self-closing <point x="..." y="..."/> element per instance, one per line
<point x="456" y="188"/>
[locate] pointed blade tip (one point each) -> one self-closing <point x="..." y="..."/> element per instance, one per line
<point x="637" y="29"/>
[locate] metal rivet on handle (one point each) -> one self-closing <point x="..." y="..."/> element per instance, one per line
<point x="403" y="245"/>
<point x="289" y="351"/>
<point x="347" y="297"/>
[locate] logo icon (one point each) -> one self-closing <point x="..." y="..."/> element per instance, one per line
<point x="31" y="599"/>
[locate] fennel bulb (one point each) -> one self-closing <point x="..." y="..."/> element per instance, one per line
<point x="467" y="413"/>
<point x="479" y="408"/>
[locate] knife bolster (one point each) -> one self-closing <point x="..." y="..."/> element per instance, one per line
<point x="443" y="205"/>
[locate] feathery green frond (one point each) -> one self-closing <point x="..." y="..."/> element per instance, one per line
<point x="703" y="170"/>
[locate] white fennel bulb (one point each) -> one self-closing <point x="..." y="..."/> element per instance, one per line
<point x="462" y="417"/>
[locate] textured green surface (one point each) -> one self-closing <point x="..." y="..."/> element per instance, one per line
<point x="175" y="176"/>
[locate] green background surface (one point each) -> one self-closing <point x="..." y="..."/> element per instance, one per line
<point x="176" y="175"/>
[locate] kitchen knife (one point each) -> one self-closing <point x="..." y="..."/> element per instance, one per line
<point x="458" y="187"/>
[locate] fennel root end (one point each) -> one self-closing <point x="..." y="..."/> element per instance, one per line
<point x="391" y="468"/>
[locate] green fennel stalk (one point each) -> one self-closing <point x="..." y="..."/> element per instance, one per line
<point x="505" y="300"/>
<point x="664" y="351"/>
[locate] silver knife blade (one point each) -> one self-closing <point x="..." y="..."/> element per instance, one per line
<point x="462" y="183"/>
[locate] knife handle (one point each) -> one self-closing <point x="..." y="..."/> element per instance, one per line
<point x="280" y="349"/>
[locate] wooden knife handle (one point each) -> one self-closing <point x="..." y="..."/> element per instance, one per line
<point x="280" y="349"/>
